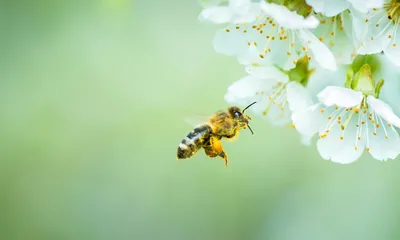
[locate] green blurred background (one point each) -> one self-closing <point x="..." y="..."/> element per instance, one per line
<point x="93" y="96"/>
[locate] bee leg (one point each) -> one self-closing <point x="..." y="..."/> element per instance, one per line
<point x="210" y="151"/>
<point x="224" y="157"/>
<point x="217" y="147"/>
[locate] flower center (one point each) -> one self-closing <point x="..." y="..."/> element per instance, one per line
<point x="360" y="75"/>
<point x="269" y="41"/>
<point x="301" y="72"/>
<point x="393" y="10"/>
<point x="366" y="122"/>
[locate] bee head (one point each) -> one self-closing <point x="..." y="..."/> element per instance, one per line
<point x="241" y="118"/>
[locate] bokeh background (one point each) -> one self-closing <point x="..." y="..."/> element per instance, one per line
<point x="93" y="96"/>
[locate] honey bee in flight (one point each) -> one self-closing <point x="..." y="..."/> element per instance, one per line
<point x="222" y="124"/>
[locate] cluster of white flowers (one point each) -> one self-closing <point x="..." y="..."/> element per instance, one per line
<point x="328" y="68"/>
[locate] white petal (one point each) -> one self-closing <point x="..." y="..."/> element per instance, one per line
<point x="244" y="91"/>
<point x="228" y="43"/>
<point x="267" y="72"/>
<point x="307" y="120"/>
<point x="298" y="96"/>
<point x="392" y="50"/>
<point x="360" y="27"/>
<point x="328" y="8"/>
<point x="319" y="51"/>
<point x="216" y="15"/>
<point x="240" y="6"/>
<point x="250" y="15"/>
<point x="383" y="110"/>
<point x="341" y="145"/>
<point x="288" y="19"/>
<point x="374" y="33"/>
<point x="340" y="96"/>
<point x="321" y="78"/>
<point x="340" y="151"/>
<point x="341" y="43"/>
<point x="383" y="141"/>
<point x="365" y="5"/>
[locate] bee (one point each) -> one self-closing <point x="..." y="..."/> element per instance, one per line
<point x="222" y="124"/>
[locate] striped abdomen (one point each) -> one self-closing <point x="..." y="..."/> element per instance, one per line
<point x="194" y="141"/>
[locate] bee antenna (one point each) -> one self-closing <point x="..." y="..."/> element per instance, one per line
<point x="250" y="129"/>
<point x="248" y="106"/>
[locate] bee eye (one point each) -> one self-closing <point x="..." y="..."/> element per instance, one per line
<point x="238" y="114"/>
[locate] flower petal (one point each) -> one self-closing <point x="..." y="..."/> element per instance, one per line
<point x="340" y="151"/>
<point x="321" y="78"/>
<point x="392" y="50"/>
<point x="267" y="72"/>
<point x="244" y="91"/>
<point x="228" y="42"/>
<point x="383" y="141"/>
<point x="288" y="19"/>
<point x="250" y="15"/>
<point x="328" y="8"/>
<point x="383" y="110"/>
<point x="319" y="51"/>
<point x="340" y="96"/>
<point x="218" y="15"/>
<point x="240" y="6"/>
<point x="336" y="34"/>
<point x="365" y="5"/>
<point x="298" y="96"/>
<point x="373" y="31"/>
<point x="342" y="146"/>
<point x="306" y="120"/>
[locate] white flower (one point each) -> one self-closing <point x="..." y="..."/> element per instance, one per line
<point x="377" y="31"/>
<point x="275" y="94"/>
<point x="350" y="121"/>
<point x="331" y="8"/>
<point x="236" y="11"/>
<point x="337" y="34"/>
<point x="278" y="36"/>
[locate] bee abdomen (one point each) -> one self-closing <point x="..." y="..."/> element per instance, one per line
<point x="193" y="141"/>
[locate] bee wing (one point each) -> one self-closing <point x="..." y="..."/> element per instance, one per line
<point x="196" y="120"/>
